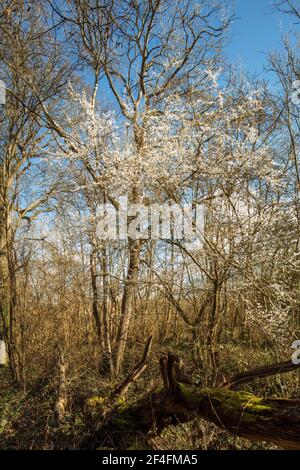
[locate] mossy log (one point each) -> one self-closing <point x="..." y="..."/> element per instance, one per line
<point x="275" y="420"/>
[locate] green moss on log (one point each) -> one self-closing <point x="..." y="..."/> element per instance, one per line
<point x="242" y="406"/>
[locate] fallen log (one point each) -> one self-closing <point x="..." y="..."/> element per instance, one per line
<point x="275" y="420"/>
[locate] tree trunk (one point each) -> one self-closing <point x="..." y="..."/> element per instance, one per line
<point x="127" y="299"/>
<point x="105" y="311"/>
<point x="8" y="294"/>
<point x="61" y="402"/>
<point x="95" y="297"/>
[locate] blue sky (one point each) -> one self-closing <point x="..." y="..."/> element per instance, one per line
<point x="256" y="31"/>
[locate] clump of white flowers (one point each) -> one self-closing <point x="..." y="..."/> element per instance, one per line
<point x="271" y="323"/>
<point x="179" y="139"/>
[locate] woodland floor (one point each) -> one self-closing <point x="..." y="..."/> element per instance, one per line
<point x="27" y="420"/>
